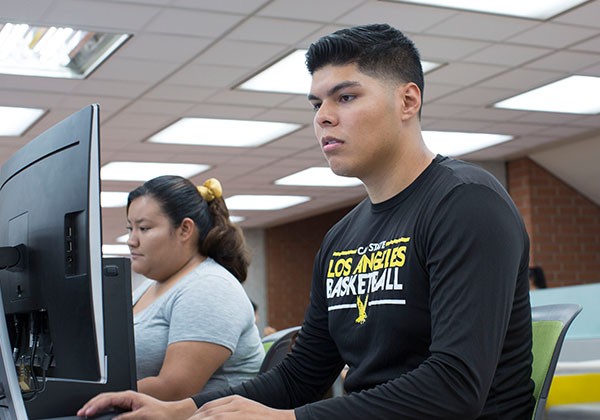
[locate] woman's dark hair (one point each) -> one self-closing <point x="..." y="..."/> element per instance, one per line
<point x="218" y="237"/>
<point x="378" y="50"/>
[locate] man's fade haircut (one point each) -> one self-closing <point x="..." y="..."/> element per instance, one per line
<point x="378" y="50"/>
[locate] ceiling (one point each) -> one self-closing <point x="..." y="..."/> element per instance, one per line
<point x="186" y="57"/>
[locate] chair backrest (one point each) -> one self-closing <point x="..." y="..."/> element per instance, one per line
<point x="277" y="345"/>
<point x="549" y="326"/>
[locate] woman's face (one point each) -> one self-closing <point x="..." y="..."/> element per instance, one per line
<point x="156" y="249"/>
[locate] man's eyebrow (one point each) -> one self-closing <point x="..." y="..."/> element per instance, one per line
<point x="334" y="89"/>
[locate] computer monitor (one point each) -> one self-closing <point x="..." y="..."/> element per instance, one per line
<point x="54" y="285"/>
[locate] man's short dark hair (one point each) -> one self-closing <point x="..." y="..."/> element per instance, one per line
<point x="378" y="50"/>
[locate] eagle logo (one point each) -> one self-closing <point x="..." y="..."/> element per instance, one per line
<point x="362" y="310"/>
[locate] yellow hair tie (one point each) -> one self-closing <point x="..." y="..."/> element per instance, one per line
<point x="210" y="190"/>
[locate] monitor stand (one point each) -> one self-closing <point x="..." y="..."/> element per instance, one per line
<point x="11" y="406"/>
<point x="63" y="398"/>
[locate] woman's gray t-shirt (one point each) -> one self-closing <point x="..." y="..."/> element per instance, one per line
<point x="208" y="304"/>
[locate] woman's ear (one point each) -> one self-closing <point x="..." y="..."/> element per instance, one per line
<point x="187" y="228"/>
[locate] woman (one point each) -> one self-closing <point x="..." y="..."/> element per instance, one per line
<point x="194" y="324"/>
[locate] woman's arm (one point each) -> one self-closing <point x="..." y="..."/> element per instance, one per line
<point x="187" y="367"/>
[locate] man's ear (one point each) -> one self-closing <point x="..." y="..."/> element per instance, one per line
<point x="410" y="96"/>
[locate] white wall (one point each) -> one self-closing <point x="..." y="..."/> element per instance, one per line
<point x="256" y="282"/>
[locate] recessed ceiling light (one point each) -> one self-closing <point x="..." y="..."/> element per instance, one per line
<point x="289" y="75"/>
<point x="451" y="143"/>
<point x="573" y="95"/>
<point x="264" y="202"/>
<point x="221" y="132"/>
<point x="51" y="51"/>
<point x="111" y="199"/>
<point x="115" y="249"/>
<point x="534" y="9"/>
<point x="318" y="177"/>
<point x="14" y="121"/>
<point x="143" y="171"/>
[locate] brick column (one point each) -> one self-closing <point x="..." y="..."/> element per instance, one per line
<point x="563" y="225"/>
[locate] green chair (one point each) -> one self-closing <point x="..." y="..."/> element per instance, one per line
<point x="550" y="324"/>
<point x="277" y="345"/>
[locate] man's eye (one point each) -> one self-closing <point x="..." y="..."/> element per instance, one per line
<point x="346" y="98"/>
<point x="316" y="107"/>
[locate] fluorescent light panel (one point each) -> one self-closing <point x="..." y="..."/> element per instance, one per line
<point x="123" y="238"/>
<point x="573" y="95"/>
<point x="236" y="219"/>
<point x="222" y="132"/>
<point x="143" y="171"/>
<point x="14" y="121"/>
<point x="318" y="177"/>
<point x="54" y="51"/>
<point x="264" y="202"/>
<point x="112" y="199"/>
<point x="289" y="75"/>
<point x="115" y="249"/>
<point x="533" y="9"/>
<point x="449" y="143"/>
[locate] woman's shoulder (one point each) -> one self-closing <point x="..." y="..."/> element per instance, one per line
<point x="210" y="275"/>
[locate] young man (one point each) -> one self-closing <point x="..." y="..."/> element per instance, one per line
<point x="422" y="289"/>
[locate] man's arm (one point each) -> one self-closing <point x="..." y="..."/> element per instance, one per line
<point x="302" y="377"/>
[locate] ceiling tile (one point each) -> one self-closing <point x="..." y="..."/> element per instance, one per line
<point x="507" y="55"/>
<point x="443" y="49"/>
<point x="19" y="11"/>
<point x="149" y="106"/>
<point x="207" y="76"/>
<point x="172" y="92"/>
<point x="164" y="47"/>
<point x="124" y="69"/>
<point x="567" y="61"/>
<point x="116" y="88"/>
<point x="275" y="31"/>
<point x="240" y="97"/>
<point x="475" y="96"/>
<point x="585" y="15"/>
<point x="521" y="79"/>
<point x="552" y="35"/>
<point x="233" y="6"/>
<point x="283" y="115"/>
<point x="481" y="26"/>
<point x="309" y="10"/>
<point x="193" y="23"/>
<point x="241" y="54"/>
<point x="591" y="45"/>
<point x="406" y="17"/>
<point x="127" y="18"/>
<point x="464" y="73"/>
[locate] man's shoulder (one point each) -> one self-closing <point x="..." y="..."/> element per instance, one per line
<point x="465" y="171"/>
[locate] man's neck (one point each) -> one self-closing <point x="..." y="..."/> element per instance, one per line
<point x="409" y="167"/>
